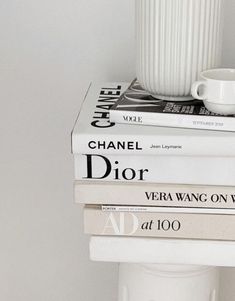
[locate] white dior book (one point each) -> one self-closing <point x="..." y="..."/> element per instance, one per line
<point x="134" y="197"/>
<point x="152" y="224"/>
<point x="140" y="108"/>
<point x="95" y="134"/>
<point x="156" y="169"/>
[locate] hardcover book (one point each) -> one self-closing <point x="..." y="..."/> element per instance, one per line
<point x="167" y="225"/>
<point x="135" y="106"/>
<point x="115" y="196"/>
<point x="155" y="169"/>
<point x="95" y="134"/>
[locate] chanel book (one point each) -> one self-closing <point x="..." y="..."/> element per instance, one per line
<point x="94" y="133"/>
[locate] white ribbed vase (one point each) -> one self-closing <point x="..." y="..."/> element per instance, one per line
<point x="176" y="40"/>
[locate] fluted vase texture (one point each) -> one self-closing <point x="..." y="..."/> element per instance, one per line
<point x="176" y="40"/>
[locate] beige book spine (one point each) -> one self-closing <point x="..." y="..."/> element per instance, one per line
<point x="162" y="195"/>
<point x="165" y="225"/>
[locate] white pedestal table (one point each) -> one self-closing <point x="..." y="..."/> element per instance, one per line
<point x="153" y="269"/>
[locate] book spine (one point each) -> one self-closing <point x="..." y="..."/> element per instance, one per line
<point x="156" y="169"/>
<point x="95" y="134"/>
<point x="217" y="123"/>
<point x="152" y="145"/>
<point x="159" y="209"/>
<point x="167" y="225"/>
<point x="166" y="196"/>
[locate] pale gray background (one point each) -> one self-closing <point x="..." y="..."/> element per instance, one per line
<point x="49" y="51"/>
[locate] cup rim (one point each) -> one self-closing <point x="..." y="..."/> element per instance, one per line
<point x="203" y="74"/>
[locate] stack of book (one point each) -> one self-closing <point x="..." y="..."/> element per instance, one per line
<point x="168" y="180"/>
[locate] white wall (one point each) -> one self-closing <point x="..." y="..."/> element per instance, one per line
<point x="49" y="52"/>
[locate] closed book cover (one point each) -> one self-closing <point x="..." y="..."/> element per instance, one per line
<point x="165" y="225"/>
<point x="93" y="132"/>
<point x="156" y="169"/>
<point x="155" y="197"/>
<point x="135" y="106"/>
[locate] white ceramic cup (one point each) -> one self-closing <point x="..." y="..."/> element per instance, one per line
<point x="217" y="90"/>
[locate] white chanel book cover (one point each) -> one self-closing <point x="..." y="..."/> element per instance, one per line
<point x="93" y="132"/>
